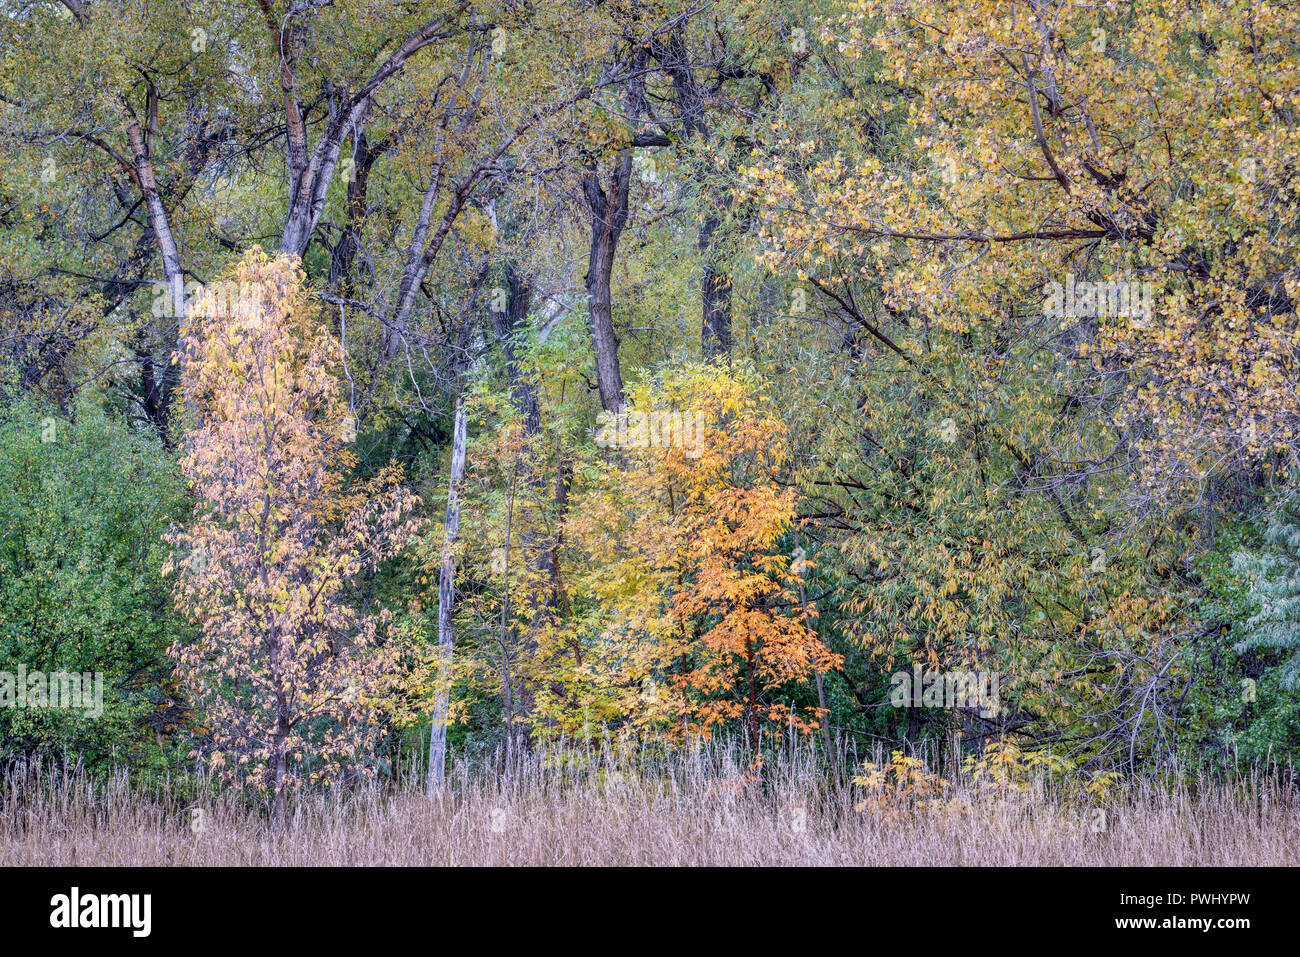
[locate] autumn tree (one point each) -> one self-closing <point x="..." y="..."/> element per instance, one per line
<point x="291" y="678"/>
<point x="1036" y="144"/>
<point x="703" y="627"/>
<point x="1020" y="476"/>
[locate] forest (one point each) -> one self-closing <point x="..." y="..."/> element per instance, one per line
<point x="649" y="431"/>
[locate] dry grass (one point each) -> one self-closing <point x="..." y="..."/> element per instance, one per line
<point x="705" y="810"/>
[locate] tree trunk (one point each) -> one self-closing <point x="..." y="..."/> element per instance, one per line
<point x="310" y="171"/>
<point x="281" y="767"/>
<point x="608" y="203"/>
<point x="154" y="399"/>
<point x="608" y="217"/>
<point x="446" y="606"/>
<point x="345" y="250"/>
<point x="715" y="281"/>
<point x="142" y="166"/>
<point x="715" y="293"/>
<point x="507" y="324"/>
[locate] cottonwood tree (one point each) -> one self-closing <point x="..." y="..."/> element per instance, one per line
<point x="108" y="121"/>
<point x="290" y="677"/>
<point x="981" y="152"/>
<point x="1058" y="142"/>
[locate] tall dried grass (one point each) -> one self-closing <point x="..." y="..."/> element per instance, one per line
<point x="619" y="808"/>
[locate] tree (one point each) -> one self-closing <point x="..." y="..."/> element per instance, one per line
<point x="607" y="202"/>
<point x="683" y="543"/>
<point x="1038" y="148"/>
<point x="955" y="167"/>
<point x="1274" y="576"/>
<point x="292" y="679"/>
<point x="724" y="79"/>
<point x="84" y="502"/>
<point x="447" y="604"/>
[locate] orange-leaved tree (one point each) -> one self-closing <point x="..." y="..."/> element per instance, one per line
<point x="686" y="531"/>
<point x="291" y="678"/>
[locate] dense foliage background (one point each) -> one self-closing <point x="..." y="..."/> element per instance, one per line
<point x="741" y="356"/>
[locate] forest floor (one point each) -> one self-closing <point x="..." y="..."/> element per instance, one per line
<point x="622" y="819"/>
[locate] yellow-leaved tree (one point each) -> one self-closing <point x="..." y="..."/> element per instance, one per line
<point x="695" y="619"/>
<point x="292" y="679"/>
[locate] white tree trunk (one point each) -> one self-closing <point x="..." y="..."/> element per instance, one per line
<point x="446" y="606"/>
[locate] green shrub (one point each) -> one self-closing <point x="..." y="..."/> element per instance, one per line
<point x="83" y="504"/>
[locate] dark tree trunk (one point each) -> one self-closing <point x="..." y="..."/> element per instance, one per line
<point x="507" y="324"/>
<point x="715" y="280"/>
<point x="715" y="292"/>
<point x="607" y="200"/>
<point x="345" y="250"/>
<point x="608" y="205"/>
<point x="154" y="399"/>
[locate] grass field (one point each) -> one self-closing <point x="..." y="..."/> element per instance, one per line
<point x="708" y="811"/>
